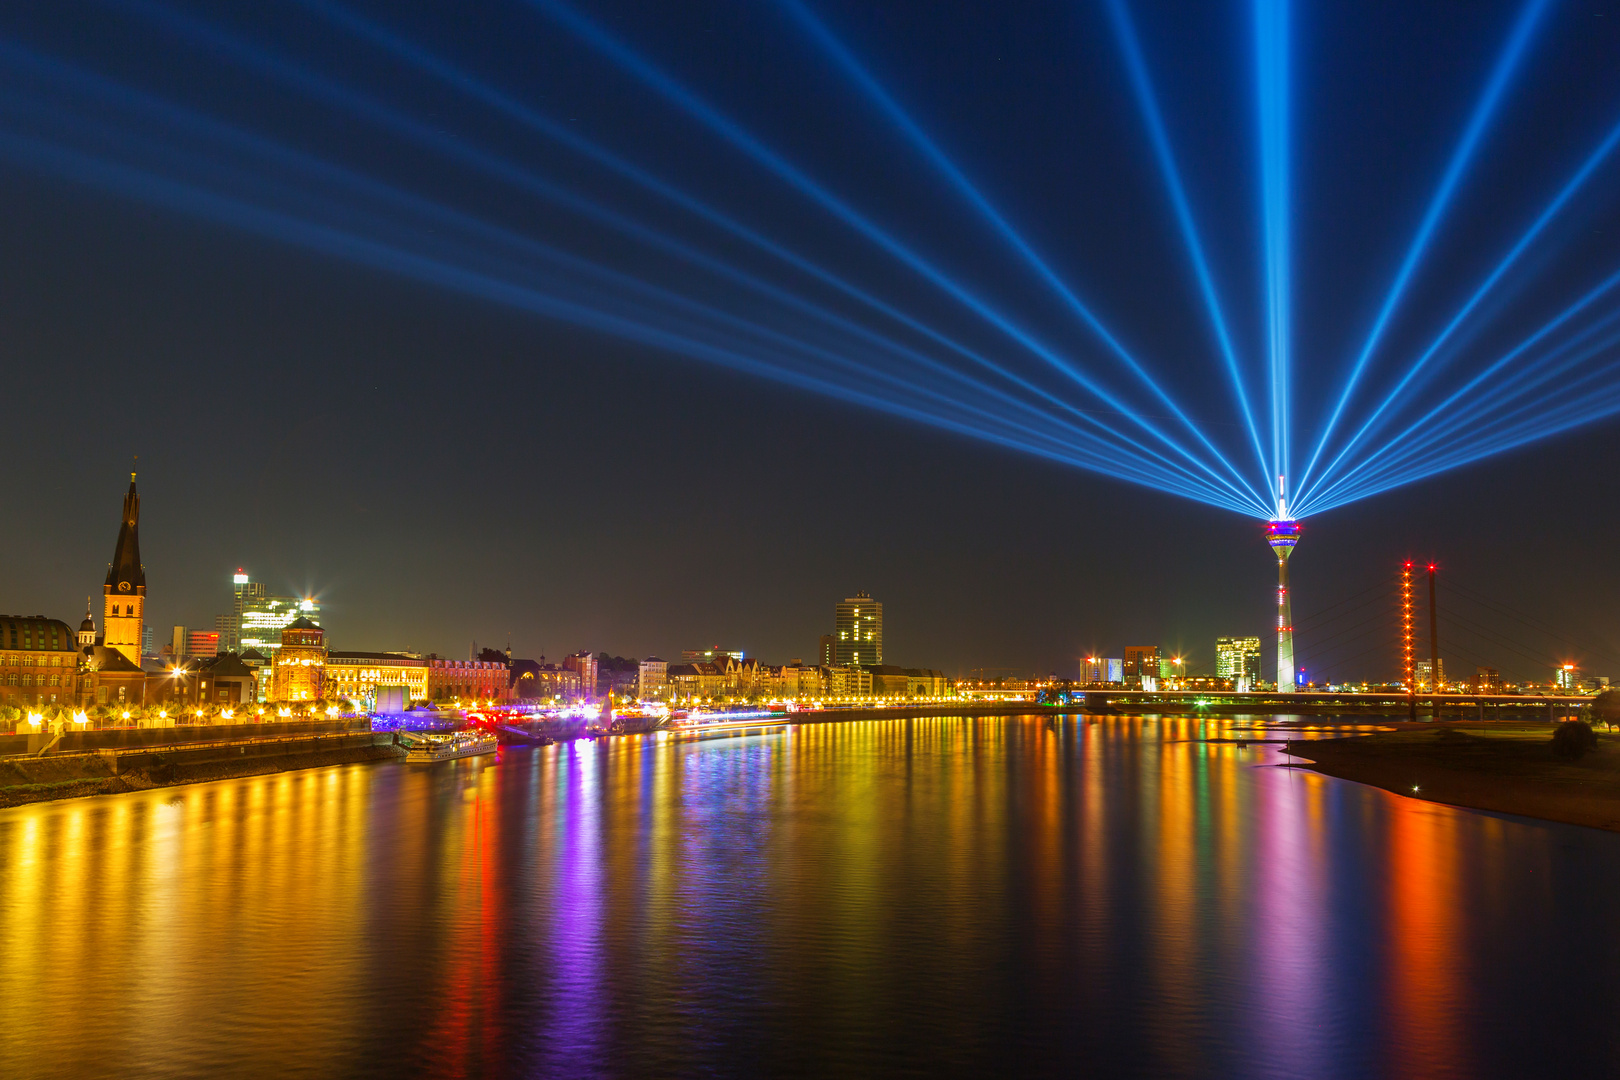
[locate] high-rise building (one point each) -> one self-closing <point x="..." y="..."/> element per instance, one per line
<point x="1425" y="670"/>
<point x="1487" y="680"/>
<point x="583" y="662"/>
<point x="124" y="594"/>
<point x="263" y="620"/>
<point x="858" y="628"/>
<point x="244" y="591"/>
<point x="1566" y="677"/>
<point x="1238" y="659"/>
<point x="1141" y="661"/>
<point x="827" y="650"/>
<point x="653" y="674"/>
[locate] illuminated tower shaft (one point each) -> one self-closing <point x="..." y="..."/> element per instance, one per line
<point x="1282" y="534"/>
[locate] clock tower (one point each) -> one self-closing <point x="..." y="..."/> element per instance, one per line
<point x="124" y="594"/>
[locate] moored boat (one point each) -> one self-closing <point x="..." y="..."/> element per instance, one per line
<point x="462" y="744"/>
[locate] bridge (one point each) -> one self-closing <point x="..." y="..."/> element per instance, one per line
<point x="1474" y="706"/>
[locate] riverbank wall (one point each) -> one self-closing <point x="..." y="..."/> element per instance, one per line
<point x="109" y="770"/>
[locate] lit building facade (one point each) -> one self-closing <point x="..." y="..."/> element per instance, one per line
<point x="1238" y="659"/>
<point x="357" y="676"/>
<point x="1424" y="670"/>
<point x="244" y="591"/>
<point x="584" y="662"/>
<point x="1141" y="662"/>
<point x="39" y="662"/>
<point x="263" y="620"/>
<point x="300" y="663"/>
<point x="124" y="593"/>
<point x="653" y="678"/>
<point x="1096" y="670"/>
<point x="466" y="680"/>
<point x="858" y="630"/>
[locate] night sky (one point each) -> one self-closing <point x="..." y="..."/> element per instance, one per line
<point x="439" y="467"/>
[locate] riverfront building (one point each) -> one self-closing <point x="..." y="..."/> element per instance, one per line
<point x="300" y="663"/>
<point x="1238" y="659"/>
<point x="39" y="662"/>
<point x="468" y="680"/>
<point x="653" y="674"/>
<point x="124" y="593"/>
<point x="858" y="630"/>
<point x="361" y="676"/>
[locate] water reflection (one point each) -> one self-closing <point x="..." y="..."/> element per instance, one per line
<point x="1125" y="895"/>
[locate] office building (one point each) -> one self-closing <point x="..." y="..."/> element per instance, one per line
<point x="1566" y="679"/>
<point x="1141" y="662"/>
<point x="1238" y="659"/>
<point x="124" y="593"/>
<point x="653" y="674"/>
<point x="203" y="644"/>
<point x="583" y="662"/>
<point x="263" y="620"/>
<point x="1424" y="671"/>
<point x="244" y="591"/>
<point x="827" y="650"/>
<point x="1487" y="680"/>
<point x="858" y="628"/>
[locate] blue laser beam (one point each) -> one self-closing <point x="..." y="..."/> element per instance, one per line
<point x="373" y="191"/>
<point x="1559" y="201"/>
<point x="1271" y="35"/>
<point x="630" y="61"/>
<point x="1490" y="370"/>
<point x="199" y="202"/>
<point x="373" y="111"/>
<point x="1475" y="414"/>
<point x="1507" y="63"/>
<point x="947" y="168"/>
<point x="314" y="83"/>
<point x="1141" y="84"/>
<point x="483" y="92"/>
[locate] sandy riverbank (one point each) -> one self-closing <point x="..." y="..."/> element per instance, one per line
<point x="1506" y="767"/>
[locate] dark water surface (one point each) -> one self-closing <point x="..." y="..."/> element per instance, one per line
<point x="987" y="896"/>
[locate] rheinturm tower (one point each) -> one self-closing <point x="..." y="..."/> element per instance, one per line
<point x="124" y="595"/>
<point x="1282" y="534"/>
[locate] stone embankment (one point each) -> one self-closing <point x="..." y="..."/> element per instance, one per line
<point x="109" y="770"/>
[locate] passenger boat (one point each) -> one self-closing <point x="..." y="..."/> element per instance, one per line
<point x="447" y="747"/>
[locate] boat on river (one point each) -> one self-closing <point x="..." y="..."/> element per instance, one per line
<point x="461" y="744"/>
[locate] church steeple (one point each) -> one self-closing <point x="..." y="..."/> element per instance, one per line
<point x="126" y="568"/>
<point x="125" y="590"/>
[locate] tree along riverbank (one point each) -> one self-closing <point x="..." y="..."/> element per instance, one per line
<point x="1507" y="768"/>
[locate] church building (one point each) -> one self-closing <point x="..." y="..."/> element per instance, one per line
<point x="124" y="594"/>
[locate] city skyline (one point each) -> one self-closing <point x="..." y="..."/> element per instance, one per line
<point x="413" y="457"/>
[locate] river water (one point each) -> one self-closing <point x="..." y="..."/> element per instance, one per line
<point x="1119" y="897"/>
